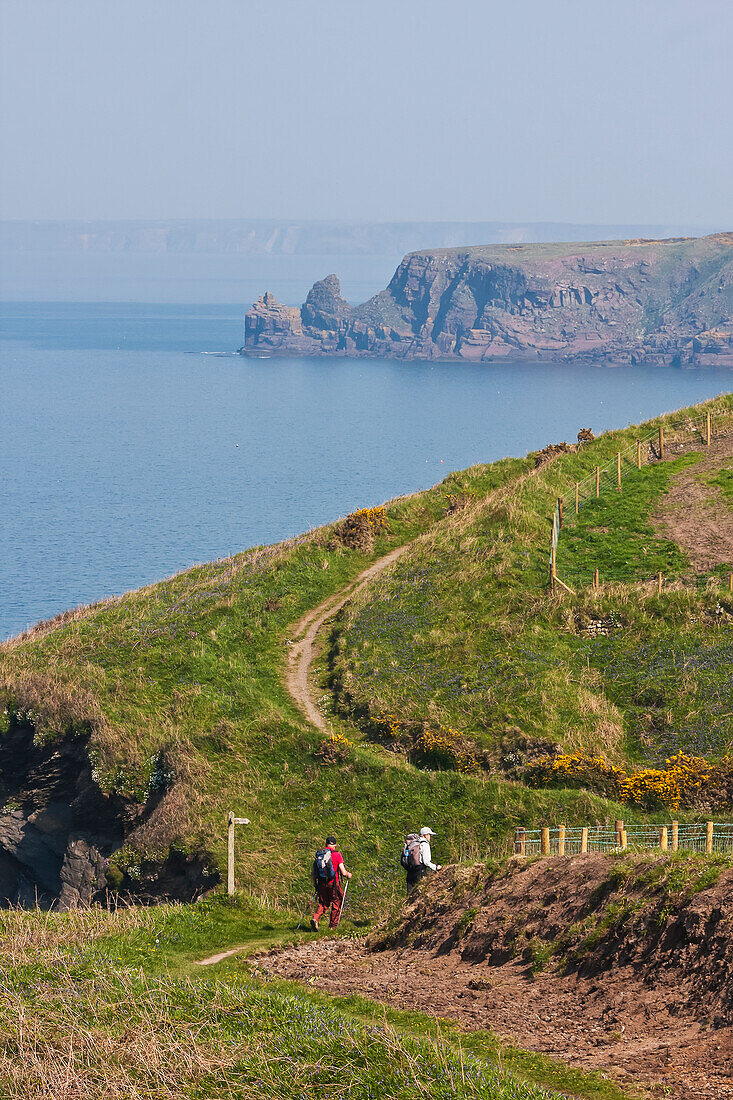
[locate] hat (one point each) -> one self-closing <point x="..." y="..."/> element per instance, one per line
<point x="330" y="840"/>
<point x="427" y="832"/>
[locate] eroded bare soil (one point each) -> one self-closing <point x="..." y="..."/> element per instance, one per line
<point x="640" y="988"/>
<point x="695" y="514"/>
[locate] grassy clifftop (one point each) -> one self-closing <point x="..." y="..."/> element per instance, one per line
<point x="177" y="689"/>
<point x="460" y="637"/>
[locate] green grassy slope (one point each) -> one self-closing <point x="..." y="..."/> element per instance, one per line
<point x="461" y="634"/>
<point x="183" y="680"/>
<point x="181" y="683"/>
<point x="147" y="1022"/>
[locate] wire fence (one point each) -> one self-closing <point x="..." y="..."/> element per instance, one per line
<point x="666" y="440"/>
<point x="705" y="836"/>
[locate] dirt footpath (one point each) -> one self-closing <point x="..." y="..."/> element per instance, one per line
<point x="696" y="515"/>
<point x="304" y="633"/>
<point x="612" y="1023"/>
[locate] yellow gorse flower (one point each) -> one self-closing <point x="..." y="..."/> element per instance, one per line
<point x="683" y="777"/>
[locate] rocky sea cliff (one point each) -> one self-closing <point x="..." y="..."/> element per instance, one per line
<point x="634" y="301"/>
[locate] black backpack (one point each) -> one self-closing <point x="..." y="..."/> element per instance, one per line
<point x="323" y="872"/>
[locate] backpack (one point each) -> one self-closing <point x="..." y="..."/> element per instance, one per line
<point x="411" y="857"/>
<point x="323" y="871"/>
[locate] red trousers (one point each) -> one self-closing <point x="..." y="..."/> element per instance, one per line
<point x="330" y="896"/>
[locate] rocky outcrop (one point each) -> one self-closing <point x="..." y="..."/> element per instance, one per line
<point x="629" y="301"/>
<point x="58" y="830"/>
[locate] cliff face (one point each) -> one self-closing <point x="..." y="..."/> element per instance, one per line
<point x="629" y="301"/>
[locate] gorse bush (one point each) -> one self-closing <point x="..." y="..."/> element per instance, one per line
<point x="444" y="748"/>
<point x="360" y="529"/>
<point x="686" y="782"/>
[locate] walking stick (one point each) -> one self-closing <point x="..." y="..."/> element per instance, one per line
<point x="307" y="907"/>
<point x="343" y="902"/>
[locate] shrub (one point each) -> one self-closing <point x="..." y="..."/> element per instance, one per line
<point x="335" y="749"/>
<point x="444" y="748"/>
<point x="688" y="781"/>
<point x="359" y="530"/>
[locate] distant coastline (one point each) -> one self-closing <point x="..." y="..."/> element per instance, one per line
<point x="293" y="237"/>
<point x="653" y="301"/>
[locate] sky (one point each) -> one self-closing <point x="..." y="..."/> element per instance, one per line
<point x="382" y="110"/>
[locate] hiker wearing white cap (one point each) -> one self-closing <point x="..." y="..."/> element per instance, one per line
<point x="417" y="858"/>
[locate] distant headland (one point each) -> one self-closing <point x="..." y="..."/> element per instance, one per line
<point x="632" y="301"/>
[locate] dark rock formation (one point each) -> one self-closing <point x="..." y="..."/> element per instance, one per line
<point x="58" y="828"/>
<point x="629" y="301"/>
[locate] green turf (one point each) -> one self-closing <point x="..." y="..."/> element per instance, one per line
<point x="461" y="634"/>
<point x="614" y="535"/>
<point x="724" y="481"/>
<point x="147" y="1022"/>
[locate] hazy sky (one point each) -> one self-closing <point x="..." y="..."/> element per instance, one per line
<point x="563" y="110"/>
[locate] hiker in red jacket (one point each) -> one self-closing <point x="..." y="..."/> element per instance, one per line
<point x="328" y="873"/>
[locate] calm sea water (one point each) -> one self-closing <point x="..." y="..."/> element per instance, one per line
<point x="135" y="442"/>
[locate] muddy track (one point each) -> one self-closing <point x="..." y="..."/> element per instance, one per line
<point x="305" y="632"/>
<point x="695" y="514"/>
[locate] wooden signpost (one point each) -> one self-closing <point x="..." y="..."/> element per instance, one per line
<point x="231" y="822"/>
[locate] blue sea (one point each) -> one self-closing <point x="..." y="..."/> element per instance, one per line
<point x="136" y="441"/>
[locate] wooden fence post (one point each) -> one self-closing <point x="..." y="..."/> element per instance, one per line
<point x="618" y="826"/>
<point x="584" y="839"/>
<point x="577" y="494"/>
<point x="560" y="512"/>
<point x="545" y="842"/>
<point x="520" y="842"/>
<point x="663" y="839"/>
<point x="618" y="470"/>
<point x="661" y="442"/>
<point x="598" y="481"/>
<point x="675" y="836"/>
<point x="596" y="579"/>
<point x="708" y="837"/>
<point x="561" y="841"/>
<point x="638" y="454"/>
<point x="707" y="428"/>
<point x="659" y="584"/>
<point x="624" y="840"/>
